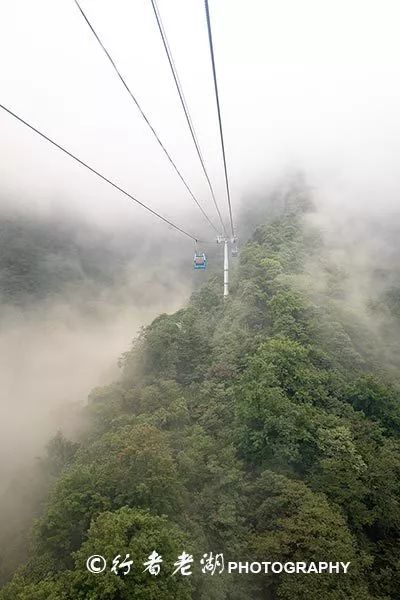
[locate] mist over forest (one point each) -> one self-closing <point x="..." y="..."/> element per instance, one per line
<point x="74" y="295"/>
<point x="142" y="406"/>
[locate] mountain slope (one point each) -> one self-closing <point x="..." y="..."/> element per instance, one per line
<point x="266" y="428"/>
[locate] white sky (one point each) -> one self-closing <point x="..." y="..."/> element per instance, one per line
<point x="310" y="84"/>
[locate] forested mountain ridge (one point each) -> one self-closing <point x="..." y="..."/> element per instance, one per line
<point x="265" y="427"/>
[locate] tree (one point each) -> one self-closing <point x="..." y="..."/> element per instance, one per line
<point x="291" y="523"/>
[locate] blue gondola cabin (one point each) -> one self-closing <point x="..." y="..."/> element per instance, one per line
<point x="200" y="261"/>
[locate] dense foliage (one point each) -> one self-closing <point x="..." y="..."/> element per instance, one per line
<point x="265" y="427"/>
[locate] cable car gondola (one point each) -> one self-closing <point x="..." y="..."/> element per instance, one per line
<point x="234" y="247"/>
<point x="200" y="261"/>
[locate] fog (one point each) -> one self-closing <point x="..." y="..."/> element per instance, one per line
<point x="52" y="358"/>
<point x="305" y="86"/>
<point x="309" y="85"/>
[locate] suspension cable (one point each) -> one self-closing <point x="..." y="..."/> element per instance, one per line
<point x="182" y="98"/>
<point x="210" y="40"/>
<point x="145" y="116"/>
<point x="81" y="162"/>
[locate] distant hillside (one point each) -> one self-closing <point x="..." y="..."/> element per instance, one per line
<point x="45" y="258"/>
<point x="265" y="428"/>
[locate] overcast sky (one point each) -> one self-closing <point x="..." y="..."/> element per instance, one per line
<point x="305" y="84"/>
